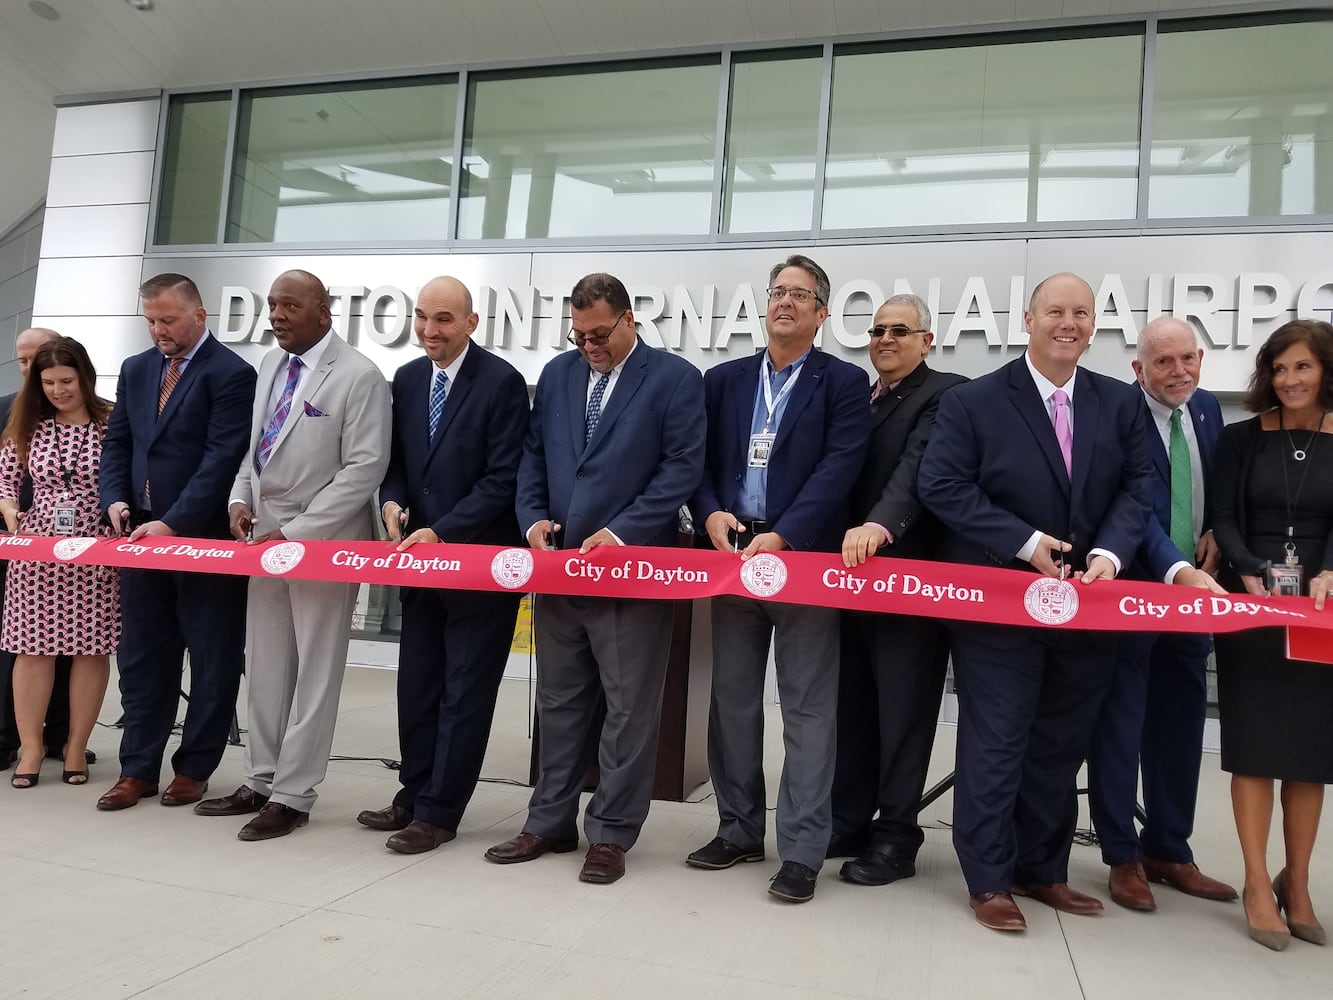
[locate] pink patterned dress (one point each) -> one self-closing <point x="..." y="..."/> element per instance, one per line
<point x="54" y="608"/>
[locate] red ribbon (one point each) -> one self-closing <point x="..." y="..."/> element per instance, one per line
<point x="895" y="586"/>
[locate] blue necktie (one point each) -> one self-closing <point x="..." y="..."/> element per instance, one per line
<point x="439" y="389"/>
<point x="595" y="406"/>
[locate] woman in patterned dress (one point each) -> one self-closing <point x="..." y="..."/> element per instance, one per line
<point x="54" y="436"/>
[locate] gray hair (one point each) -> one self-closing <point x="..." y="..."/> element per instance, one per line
<point x="807" y="265"/>
<point x="923" y="317"/>
<point x="1161" y="325"/>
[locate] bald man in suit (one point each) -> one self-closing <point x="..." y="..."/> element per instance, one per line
<point x="319" y="446"/>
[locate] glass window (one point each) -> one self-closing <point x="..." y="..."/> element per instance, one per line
<point x="193" y="164"/>
<point x="338" y="162"/>
<point x="591" y="151"/>
<point x="772" y="132"/>
<point x="984" y="132"/>
<point x="1243" y="121"/>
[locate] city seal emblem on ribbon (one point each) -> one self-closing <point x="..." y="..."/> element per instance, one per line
<point x="1051" y="602"/>
<point x="282" y="558"/>
<point x="512" y="568"/>
<point x="764" y="574"/>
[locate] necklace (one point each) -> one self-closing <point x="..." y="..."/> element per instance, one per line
<point x="1299" y="454"/>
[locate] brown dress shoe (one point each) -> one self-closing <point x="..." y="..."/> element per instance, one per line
<point x="1185" y="876"/>
<point x="529" y="847"/>
<point x="998" y="911"/>
<point x="125" y="793"/>
<point x="1129" y="887"/>
<point x="1058" y="896"/>
<point x="418" y="837"/>
<point x="184" y="791"/>
<point x="274" y="820"/>
<point x="391" y="817"/>
<point x="604" y="864"/>
<point x="239" y="803"/>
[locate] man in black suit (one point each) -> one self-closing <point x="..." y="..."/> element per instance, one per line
<point x="178" y="431"/>
<point x="57" y="710"/>
<point x="1040" y="465"/>
<point x="893" y="666"/>
<point x="459" y="417"/>
<point x="613" y="451"/>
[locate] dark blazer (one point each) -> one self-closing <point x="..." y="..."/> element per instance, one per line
<point x="901" y="422"/>
<point x="1158" y="553"/>
<point x="816" y="455"/>
<point x="461" y="486"/>
<point x="992" y="472"/>
<point x="191" y="452"/>
<point x="642" y="463"/>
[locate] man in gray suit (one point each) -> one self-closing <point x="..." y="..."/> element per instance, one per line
<point x="319" y="445"/>
<point x="614" y="448"/>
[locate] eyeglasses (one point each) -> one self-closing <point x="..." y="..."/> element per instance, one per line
<point x="801" y="295"/>
<point x="593" y="339"/>
<point x="897" y="331"/>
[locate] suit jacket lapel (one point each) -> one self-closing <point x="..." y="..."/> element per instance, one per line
<point x="812" y="371"/>
<point x="313" y="381"/>
<point x="627" y="384"/>
<point x="458" y="392"/>
<point x="1024" y="395"/>
<point x="577" y="388"/>
<point x="1087" y="414"/>
<point x="187" y="379"/>
<point x="150" y="384"/>
<point x="890" y="399"/>
<point x="746" y="384"/>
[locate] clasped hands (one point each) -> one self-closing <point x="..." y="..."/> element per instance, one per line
<point x="243" y="520"/>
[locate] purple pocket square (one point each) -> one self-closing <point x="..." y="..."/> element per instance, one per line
<point x="312" y="411"/>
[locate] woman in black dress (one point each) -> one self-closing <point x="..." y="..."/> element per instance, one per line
<point x="1273" y="504"/>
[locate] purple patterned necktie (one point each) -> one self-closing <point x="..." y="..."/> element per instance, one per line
<point x="279" y="417"/>
<point x="1063" y="432"/>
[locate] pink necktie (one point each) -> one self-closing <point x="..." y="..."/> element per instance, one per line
<point x="1063" y="432"/>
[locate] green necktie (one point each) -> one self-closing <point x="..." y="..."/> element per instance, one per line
<point x="1182" y="491"/>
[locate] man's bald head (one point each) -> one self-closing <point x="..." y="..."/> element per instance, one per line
<point x="1061" y="279"/>
<point x="27" y="343"/>
<point x="443" y="319"/>
<point x="298" y="311"/>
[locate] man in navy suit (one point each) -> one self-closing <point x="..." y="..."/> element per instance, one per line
<point x="614" y="449"/>
<point x="1154" y="713"/>
<point x="177" y="433"/>
<point x="1039" y="465"/>
<point x="459" y="417"/>
<point x="893" y="666"/>
<point x="787" y="435"/>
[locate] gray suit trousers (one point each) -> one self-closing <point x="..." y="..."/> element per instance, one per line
<point x="587" y="648"/>
<point x="806" y="645"/>
<point x="296" y="653"/>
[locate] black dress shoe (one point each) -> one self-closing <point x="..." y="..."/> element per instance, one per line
<point x="391" y="817"/>
<point x="880" y="866"/>
<point x="418" y="837"/>
<point x="794" y="882"/>
<point x="274" y="820"/>
<point x="719" y="853"/>
<point x="239" y="803"/>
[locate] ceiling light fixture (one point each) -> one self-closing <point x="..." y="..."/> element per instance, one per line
<point x="141" y="4"/>
<point x="43" y="10"/>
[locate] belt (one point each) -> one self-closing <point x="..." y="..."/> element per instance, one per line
<point x="753" y="528"/>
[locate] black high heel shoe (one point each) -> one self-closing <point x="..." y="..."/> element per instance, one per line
<point x="1313" y="933"/>
<point x="30" y="779"/>
<point x="74" y="777"/>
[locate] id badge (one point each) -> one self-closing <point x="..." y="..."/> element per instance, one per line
<point x="756" y="456"/>
<point x="66" y="522"/>
<point x="1286" y="580"/>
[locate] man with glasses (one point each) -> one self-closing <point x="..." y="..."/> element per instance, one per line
<point x="893" y="667"/>
<point x="614" y="448"/>
<point x="787" y="434"/>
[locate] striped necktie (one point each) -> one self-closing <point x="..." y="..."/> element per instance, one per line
<point x="279" y="417"/>
<point x="169" y="381"/>
<point x="595" y="407"/>
<point x="439" y="389"/>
